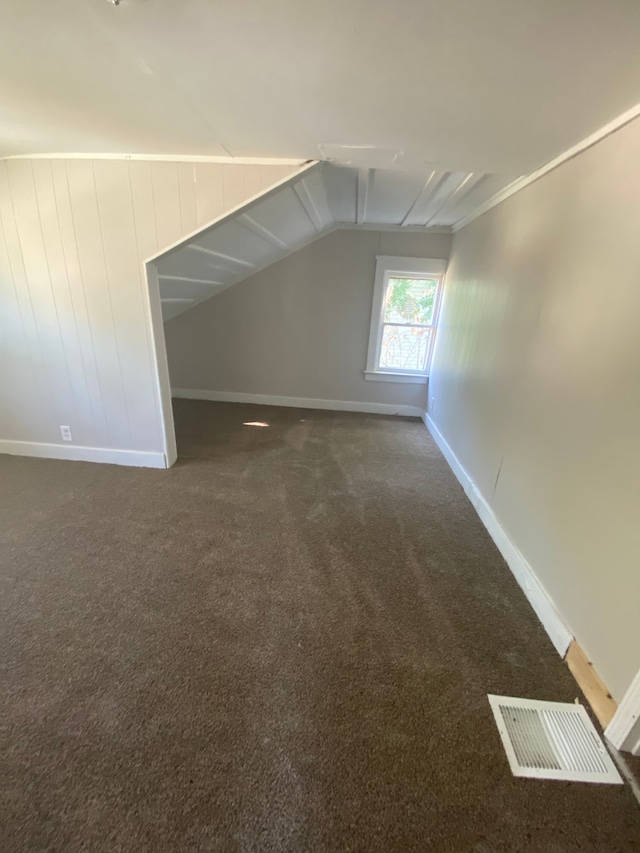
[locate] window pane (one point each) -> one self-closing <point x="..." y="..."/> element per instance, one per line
<point x="410" y="300"/>
<point x="404" y="348"/>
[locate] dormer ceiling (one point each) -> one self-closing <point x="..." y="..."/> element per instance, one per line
<point x="315" y="201"/>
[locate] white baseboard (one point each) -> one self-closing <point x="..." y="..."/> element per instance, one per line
<point x="298" y="402"/>
<point x="624" y="729"/>
<point x="538" y="598"/>
<point x="135" y="458"/>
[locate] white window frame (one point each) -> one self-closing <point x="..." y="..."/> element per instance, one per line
<point x="388" y="266"/>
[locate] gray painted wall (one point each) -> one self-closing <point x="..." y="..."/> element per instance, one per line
<point x="536" y="381"/>
<point x="300" y="328"/>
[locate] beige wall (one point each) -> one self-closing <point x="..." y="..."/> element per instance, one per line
<point x="536" y="386"/>
<point x="75" y="337"/>
<point x="299" y="328"/>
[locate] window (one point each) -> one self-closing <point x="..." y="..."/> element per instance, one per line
<point x="406" y="301"/>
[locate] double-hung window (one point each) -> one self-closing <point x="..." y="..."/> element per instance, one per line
<point x="406" y="302"/>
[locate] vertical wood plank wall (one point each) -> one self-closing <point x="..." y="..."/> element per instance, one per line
<point x="75" y="332"/>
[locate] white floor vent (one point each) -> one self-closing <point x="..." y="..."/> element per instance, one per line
<point x="552" y="740"/>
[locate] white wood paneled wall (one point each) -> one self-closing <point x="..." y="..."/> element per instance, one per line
<point x="75" y="331"/>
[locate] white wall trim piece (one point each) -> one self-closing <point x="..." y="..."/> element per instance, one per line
<point x="380" y="376"/>
<point x="162" y="381"/>
<point x="136" y="458"/>
<point x="624" y="729"/>
<point x="298" y="402"/>
<point x="569" y="154"/>
<point x="536" y="594"/>
<point x="167" y="158"/>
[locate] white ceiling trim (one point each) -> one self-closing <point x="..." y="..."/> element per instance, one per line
<point x="420" y="199"/>
<point x="365" y="176"/>
<point x="261" y="231"/>
<point x="466" y="186"/>
<point x="520" y="183"/>
<point x="167" y="158"/>
<point x="221" y="256"/>
<point x="187" y="279"/>
<point x="398" y="229"/>
<point x="306" y="199"/>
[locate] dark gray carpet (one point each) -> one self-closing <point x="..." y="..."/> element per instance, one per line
<point x="282" y="644"/>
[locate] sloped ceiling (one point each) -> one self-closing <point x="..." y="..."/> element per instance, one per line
<point x="317" y="200"/>
<point x="488" y="86"/>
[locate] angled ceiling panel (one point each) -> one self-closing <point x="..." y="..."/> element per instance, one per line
<point x="341" y="188"/>
<point x="437" y="193"/>
<point x="173" y="306"/>
<point x="244" y="242"/>
<point x="461" y="185"/>
<point x="189" y="264"/>
<point x="311" y="193"/>
<point x="187" y="288"/>
<point x="306" y="207"/>
<point x="234" y="246"/>
<point x="465" y="203"/>
<point x="284" y="217"/>
<point x="390" y="195"/>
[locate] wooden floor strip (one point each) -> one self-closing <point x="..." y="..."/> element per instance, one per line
<point x="594" y="689"/>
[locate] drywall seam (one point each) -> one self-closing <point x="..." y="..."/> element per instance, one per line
<point x="135" y="458"/>
<point x="298" y="402"/>
<point x="553" y="623"/>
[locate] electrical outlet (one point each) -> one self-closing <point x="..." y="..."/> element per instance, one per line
<point x="65" y="432"/>
<point x="433" y="403"/>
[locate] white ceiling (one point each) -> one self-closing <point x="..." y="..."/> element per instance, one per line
<point x="497" y="86"/>
<point x="315" y="201"/>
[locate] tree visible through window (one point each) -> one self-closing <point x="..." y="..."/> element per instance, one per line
<point x="404" y="316"/>
<point x="407" y="323"/>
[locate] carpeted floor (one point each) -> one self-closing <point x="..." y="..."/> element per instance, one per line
<point x="282" y="644"/>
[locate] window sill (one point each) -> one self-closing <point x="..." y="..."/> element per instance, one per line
<point x="381" y="376"/>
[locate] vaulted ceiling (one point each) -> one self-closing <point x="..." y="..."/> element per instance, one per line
<point x="318" y="199"/>
<point x="483" y="86"/>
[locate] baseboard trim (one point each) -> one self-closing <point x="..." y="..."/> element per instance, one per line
<point x="538" y="598"/>
<point x="72" y="452"/>
<point x="297" y="402"/>
<point x="624" y="729"/>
